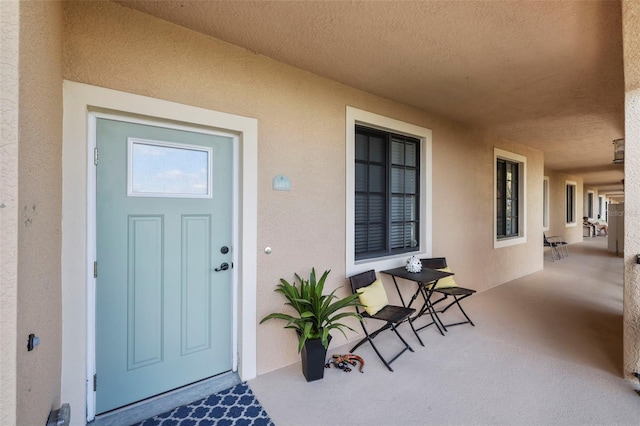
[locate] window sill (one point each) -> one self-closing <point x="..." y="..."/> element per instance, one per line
<point x="507" y="242"/>
<point x="382" y="263"/>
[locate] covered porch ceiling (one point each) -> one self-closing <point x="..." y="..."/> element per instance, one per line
<point x="548" y="74"/>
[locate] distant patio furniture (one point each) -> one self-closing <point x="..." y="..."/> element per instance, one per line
<point x="447" y="287"/>
<point x="376" y="306"/>
<point x="596" y="226"/>
<point x="553" y="248"/>
<point x="602" y="228"/>
<point x="558" y="246"/>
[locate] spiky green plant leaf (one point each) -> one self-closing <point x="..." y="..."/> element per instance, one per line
<point x="317" y="312"/>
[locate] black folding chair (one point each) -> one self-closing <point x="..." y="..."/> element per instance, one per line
<point x="558" y="246"/>
<point x="563" y="246"/>
<point x="392" y="315"/>
<point x="553" y="247"/>
<point x="457" y="293"/>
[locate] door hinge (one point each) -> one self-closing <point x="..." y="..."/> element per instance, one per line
<point x="95" y="269"/>
<point x="95" y="382"/>
<point x="95" y="156"/>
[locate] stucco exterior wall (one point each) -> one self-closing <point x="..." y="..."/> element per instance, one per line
<point x="30" y="209"/>
<point x="557" y="206"/>
<point x="302" y="135"/>
<point x="9" y="89"/>
<point x="39" y="210"/>
<point x="631" y="41"/>
<point x="40" y="207"/>
<point x="585" y="202"/>
<point x="463" y="199"/>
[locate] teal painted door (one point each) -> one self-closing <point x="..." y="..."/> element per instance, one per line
<point x="164" y="206"/>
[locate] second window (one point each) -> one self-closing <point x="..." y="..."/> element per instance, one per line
<point x="387" y="193"/>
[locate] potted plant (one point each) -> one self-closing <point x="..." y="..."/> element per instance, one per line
<point x="317" y="315"/>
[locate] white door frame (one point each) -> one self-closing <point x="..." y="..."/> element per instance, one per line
<point x="82" y="104"/>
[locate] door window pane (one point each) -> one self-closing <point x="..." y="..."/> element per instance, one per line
<point x="164" y="169"/>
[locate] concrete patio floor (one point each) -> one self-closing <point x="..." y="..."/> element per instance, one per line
<point x="546" y="350"/>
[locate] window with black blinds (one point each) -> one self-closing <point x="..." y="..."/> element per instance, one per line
<point x="507" y="203"/>
<point x="387" y="193"/>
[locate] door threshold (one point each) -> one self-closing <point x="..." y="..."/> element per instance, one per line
<point x="159" y="404"/>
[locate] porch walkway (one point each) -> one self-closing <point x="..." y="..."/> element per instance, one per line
<point x="546" y="350"/>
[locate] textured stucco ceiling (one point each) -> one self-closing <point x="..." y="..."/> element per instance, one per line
<point x="548" y="74"/>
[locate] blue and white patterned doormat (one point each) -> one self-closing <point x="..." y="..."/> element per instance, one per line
<point x="236" y="406"/>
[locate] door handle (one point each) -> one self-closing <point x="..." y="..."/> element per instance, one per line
<point x="222" y="267"/>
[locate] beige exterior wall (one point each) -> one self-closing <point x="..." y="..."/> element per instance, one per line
<point x="557" y="206"/>
<point x="463" y="200"/>
<point x="9" y="99"/>
<point x="39" y="211"/>
<point x="30" y="191"/>
<point x="302" y="135"/>
<point x="585" y="202"/>
<point x="631" y="41"/>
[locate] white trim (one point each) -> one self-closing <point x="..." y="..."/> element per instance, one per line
<point x="78" y="226"/>
<point x="545" y="203"/>
<point x="522" y="199"/>
<point x="356" y="116"/>
<point x="92" y="254"/>
<point x="235" y="259"/>
<point x="575" y="204"/>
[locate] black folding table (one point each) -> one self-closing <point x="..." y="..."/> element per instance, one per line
<point x="426" y="281"/>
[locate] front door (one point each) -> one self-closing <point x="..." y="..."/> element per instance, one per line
<point x="164" y="233"/>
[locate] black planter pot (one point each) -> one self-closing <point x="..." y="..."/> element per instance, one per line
<point x="313" y="359"/>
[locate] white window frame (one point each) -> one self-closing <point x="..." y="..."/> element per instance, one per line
<point x="355" y="117"/>
<point x="545" y="203"/>
<point x="522" y="198"/>
<point x="131" y="192"/>
<point x="575" y="203"/>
